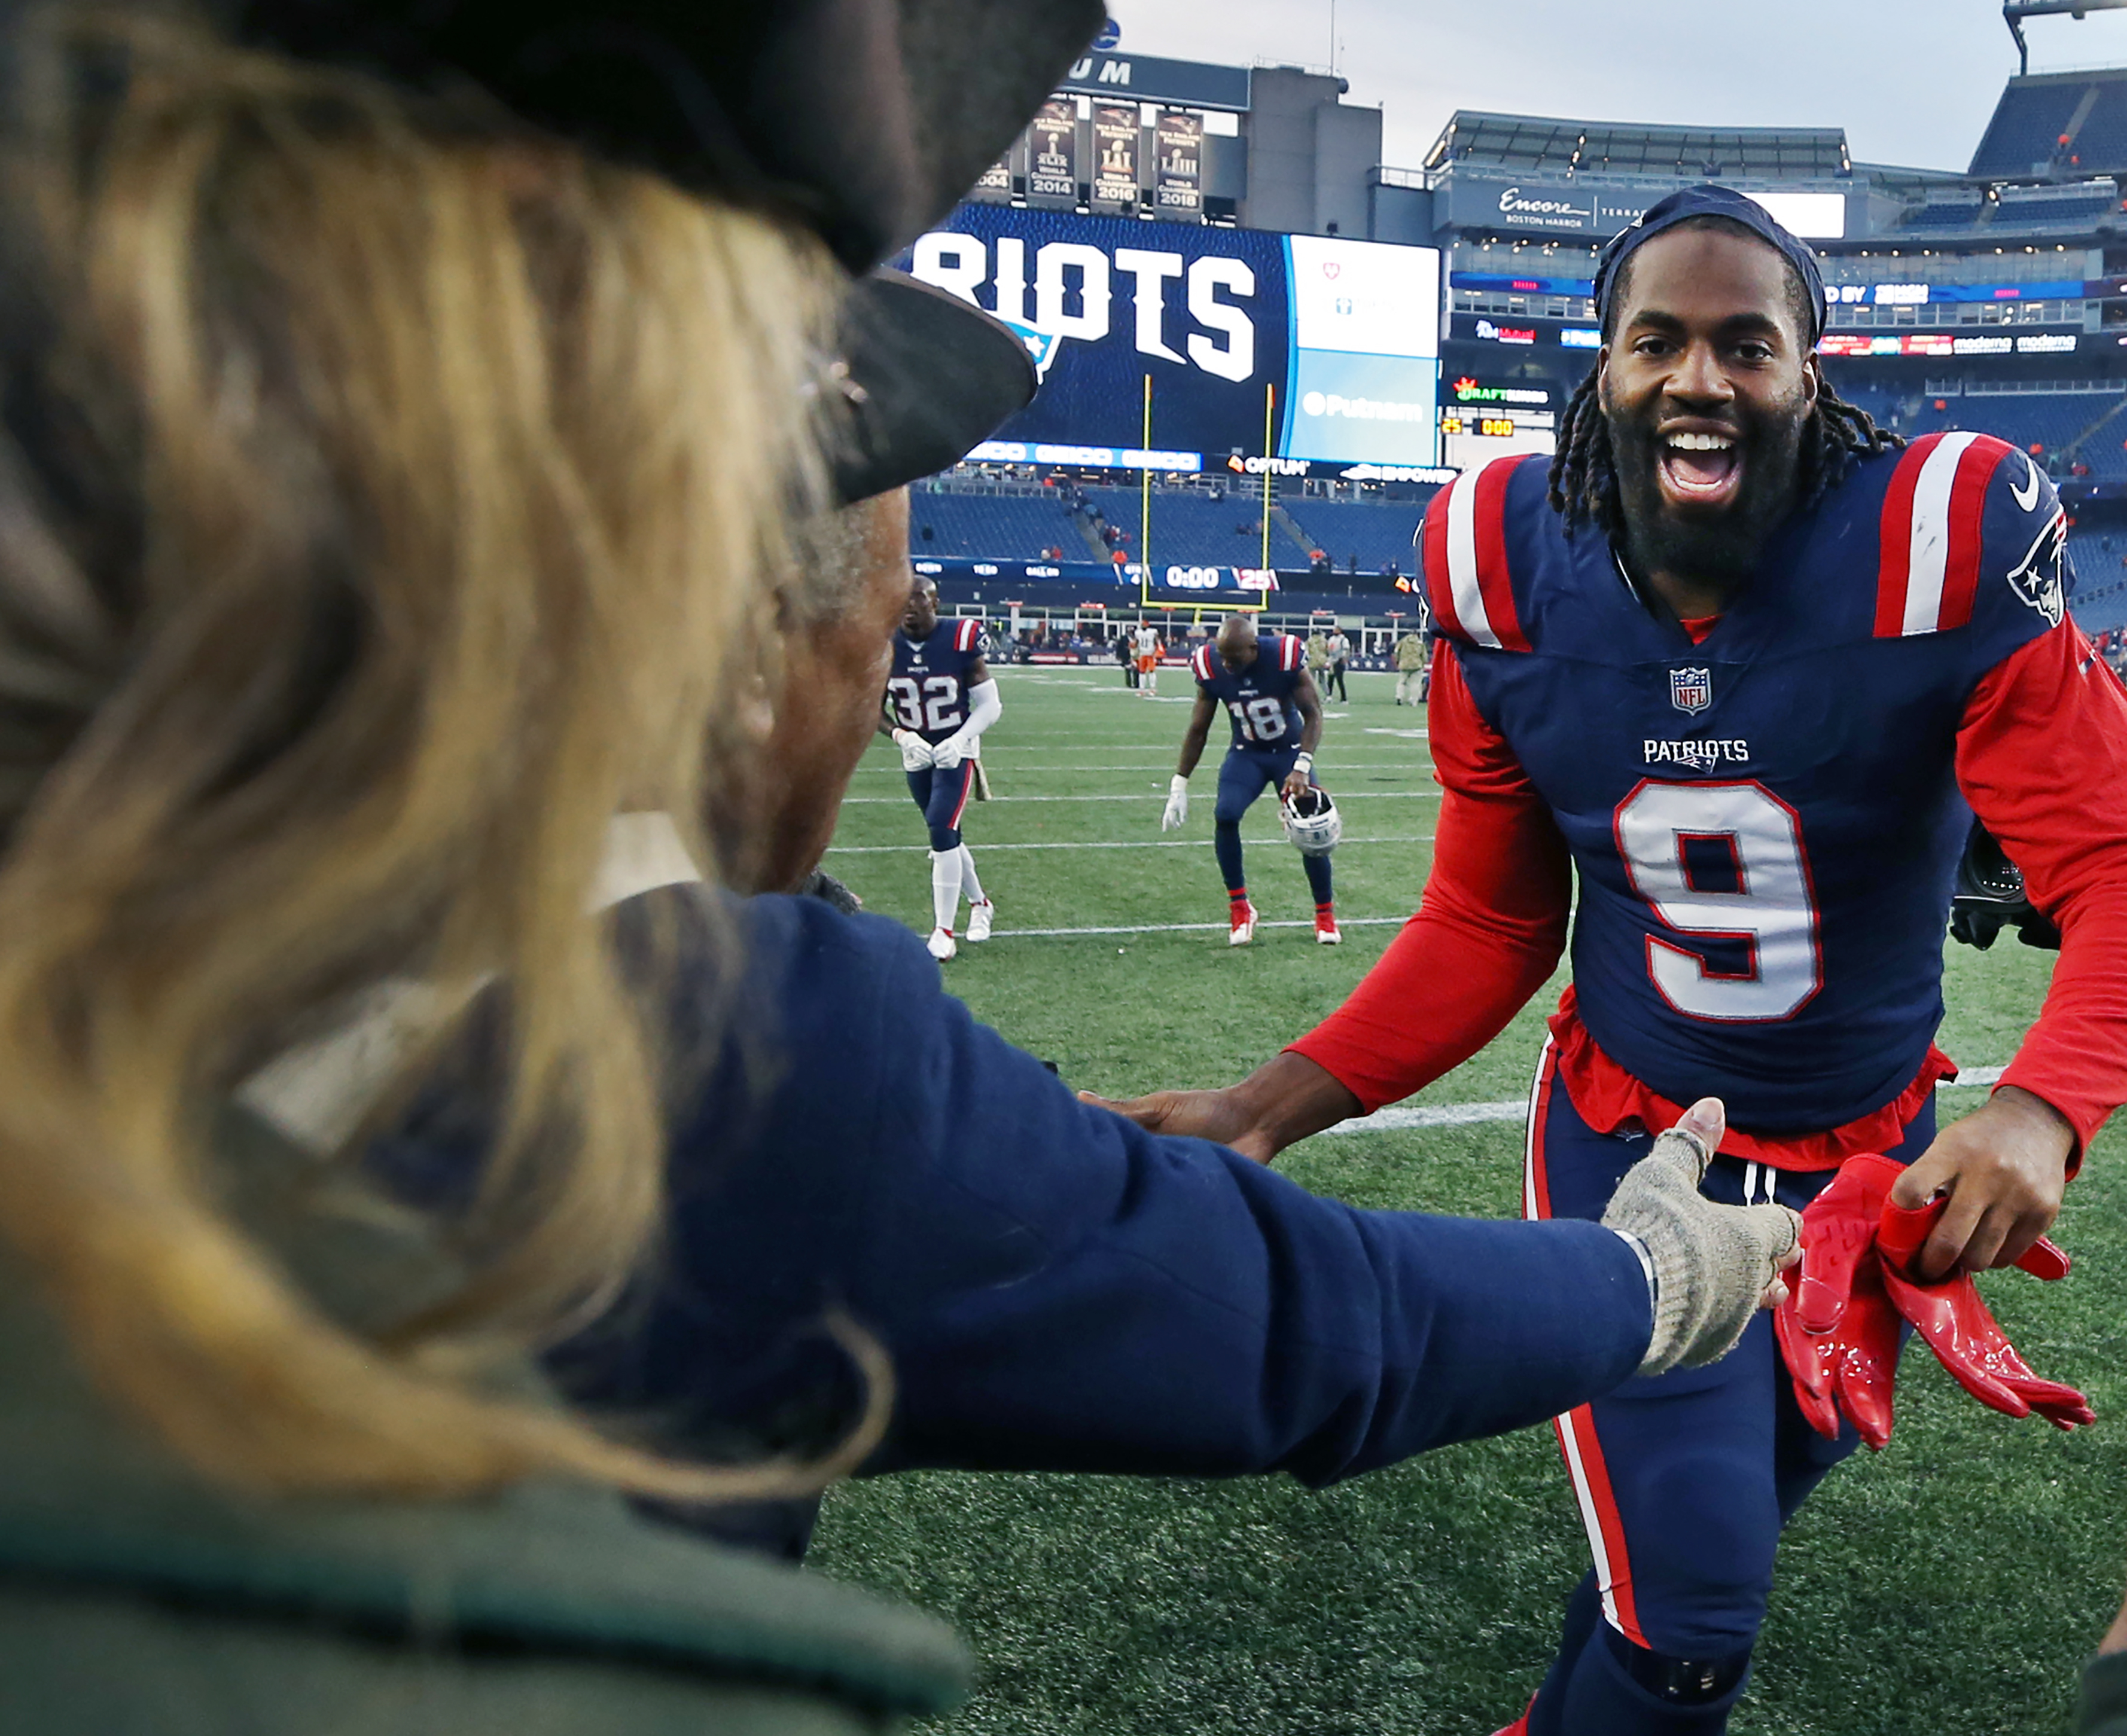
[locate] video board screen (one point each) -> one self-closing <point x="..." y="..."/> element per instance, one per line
<point x="1344" y="334"/>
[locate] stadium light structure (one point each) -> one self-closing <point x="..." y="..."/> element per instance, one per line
<point x="2014" y="12"/>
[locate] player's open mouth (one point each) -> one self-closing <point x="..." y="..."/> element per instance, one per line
<point x="1700" y="470"/>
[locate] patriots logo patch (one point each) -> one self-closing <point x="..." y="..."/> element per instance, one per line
<point x="2038" y="579"/>
<point x="1042" y="346"/>
<point x="1691" y="690"/>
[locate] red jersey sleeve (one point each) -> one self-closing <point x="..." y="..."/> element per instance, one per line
<point x="2042" y="757"/>
<point x="1489" y="929"/>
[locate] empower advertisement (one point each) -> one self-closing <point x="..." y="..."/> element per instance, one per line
<point x="1345" y="332"/>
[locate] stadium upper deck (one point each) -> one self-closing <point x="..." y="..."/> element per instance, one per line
<point x="1993" y="298"/>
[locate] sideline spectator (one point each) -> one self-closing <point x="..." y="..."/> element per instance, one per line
<point x="1410" y="670"/>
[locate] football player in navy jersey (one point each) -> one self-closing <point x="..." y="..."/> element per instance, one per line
<point x="1276" y="718"/>
<point x="939" y="699"/>
<point x="1745" y="668"/>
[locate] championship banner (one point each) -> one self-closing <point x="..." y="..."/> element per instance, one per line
<point x="993" y="185"/>
<point x="1181" y="181"/>
<point x="1115" y="133"/>
<point x="1052" y="153"/>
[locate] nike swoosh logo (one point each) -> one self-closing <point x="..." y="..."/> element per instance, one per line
<point x="2027" y="497"/>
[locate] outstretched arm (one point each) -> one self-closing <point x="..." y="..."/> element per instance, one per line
<point x="1490" y="930"/>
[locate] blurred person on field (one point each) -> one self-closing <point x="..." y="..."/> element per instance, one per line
<point x="371" y="523"/>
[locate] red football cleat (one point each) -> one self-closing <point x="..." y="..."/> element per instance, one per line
<point x="1325" y="928"/>
<point x="1243" y="919"/>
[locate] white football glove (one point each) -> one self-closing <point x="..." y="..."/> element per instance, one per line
<point x="947" y="754"/>
<point x="914" y="751"/>
<point x="1177" y="804"/>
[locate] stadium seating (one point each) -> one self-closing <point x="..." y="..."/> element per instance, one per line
<point x="991" y="527"/>
<point x="2102" y="141"/>
<point x="1189" y="527"/>
<point x="2078" y="208"/>
<point x="1378" y="532"/>
<point x="1963" y="214"/>
<point x="2033" y="113"/>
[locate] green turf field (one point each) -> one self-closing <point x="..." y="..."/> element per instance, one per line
<point x="1951" y="1584"/>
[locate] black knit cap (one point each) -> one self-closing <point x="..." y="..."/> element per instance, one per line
<point x="1708" y="200"/>
<point x="866" y="120"/>
<point x="928" y="377"/>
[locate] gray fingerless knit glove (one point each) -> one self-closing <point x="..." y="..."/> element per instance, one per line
<point x="1712" y="1263"/>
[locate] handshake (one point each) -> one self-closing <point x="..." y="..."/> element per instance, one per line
<point x="918" y="754"/>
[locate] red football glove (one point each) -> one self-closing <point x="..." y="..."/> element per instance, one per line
<point x="1959" y="1330"/>
<point x="1837" y="1330"/>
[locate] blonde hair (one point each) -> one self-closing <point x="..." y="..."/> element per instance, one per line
<point x="379" y="486"/>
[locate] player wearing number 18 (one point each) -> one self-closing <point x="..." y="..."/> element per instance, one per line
<point x="1277" y="716"/>
<point x="1738" y="663"/>
<point x="939" y="699"/>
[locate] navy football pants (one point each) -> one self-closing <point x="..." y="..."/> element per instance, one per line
<point x="1244" y="774"/>
<point x="942" y="797"/>
<point x="1683" y="1480"/>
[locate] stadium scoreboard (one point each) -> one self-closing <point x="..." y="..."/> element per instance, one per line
<point x="1336" y="341"/>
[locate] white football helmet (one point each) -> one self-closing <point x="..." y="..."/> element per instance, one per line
<point x="1312" y="822"/>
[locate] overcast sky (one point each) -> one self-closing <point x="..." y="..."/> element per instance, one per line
<point x="1913" y="82"/>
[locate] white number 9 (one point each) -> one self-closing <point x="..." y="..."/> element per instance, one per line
<point x="1771" y="907"/>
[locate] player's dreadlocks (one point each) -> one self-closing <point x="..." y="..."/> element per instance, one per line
<point x="1583" y="476"/>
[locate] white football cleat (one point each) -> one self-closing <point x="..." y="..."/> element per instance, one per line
<point x="1244" y="928"/>
<point x="980" y="916"/>
<point x="940" y="945"/>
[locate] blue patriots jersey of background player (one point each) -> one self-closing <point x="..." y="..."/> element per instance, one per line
<point x="1259" y="700"/>
<point x="928" y="691"/>
<point x="1766" y="823"/>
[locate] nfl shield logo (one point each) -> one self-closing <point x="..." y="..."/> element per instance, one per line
<point x="1691" y="690"/>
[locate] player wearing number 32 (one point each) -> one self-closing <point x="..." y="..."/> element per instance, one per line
<point x="1738" y="661"/>
<point x="940" y="698"/>
<point x="1277" y="716"/>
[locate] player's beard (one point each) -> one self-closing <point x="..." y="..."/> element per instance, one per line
<point x="1718" y="548"/>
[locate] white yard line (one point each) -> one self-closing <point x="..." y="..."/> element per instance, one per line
<point x="1186" y="928"/>
<point x="1086" y="768"/>
<point x="1342" y="795"/>
<point x="1149" y="844"/>
<point x="1472" y="1114"/>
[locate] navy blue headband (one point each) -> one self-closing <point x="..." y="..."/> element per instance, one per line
<point x="1711" y="201"/>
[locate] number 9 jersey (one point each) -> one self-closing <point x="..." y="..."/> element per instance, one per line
<point x="1259" y="699"/>
<point x="1764" y="813"/>
<point x="928" y="691"/>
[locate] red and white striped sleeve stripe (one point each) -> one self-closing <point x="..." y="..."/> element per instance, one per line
<point x="1290" y="652"/>
<point x="1933" y="509"/>
<point x="1200" y="663"/>
<point x="1466" y="580"/>
<point x="965" y="634"/>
